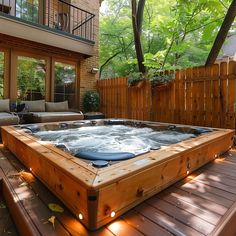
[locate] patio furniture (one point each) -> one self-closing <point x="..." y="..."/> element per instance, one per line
<point x="41" y="111"/>
<point x="42" y="117"/>
<point x="5" y="8"/>
<point x="93" y="115"/>
<point x="62" y="21"/>
<point x="24" y="117"/>
<point x="6" y="117"/>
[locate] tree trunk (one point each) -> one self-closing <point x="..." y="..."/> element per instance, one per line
<point x="222" y="34"/>
<point x="137" y="16"/>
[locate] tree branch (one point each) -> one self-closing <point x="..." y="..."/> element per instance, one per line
<point x="223" y="4"/>
<point x="107" y="61"/>
<point x="139" y="15"/>
<point x="222" y="34"/>
<point x="111" y="57"/>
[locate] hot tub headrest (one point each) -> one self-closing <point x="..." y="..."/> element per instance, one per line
<point x="33" y="128"/>
<point x="117" y="156"/>
<point x="114" y="122"/>
<point x="198" y="131"/>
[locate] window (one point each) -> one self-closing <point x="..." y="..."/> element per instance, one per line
<point x="1" y="74"/>
<point x="31" y="74"/>
<point x="65" y="83"/>
<point x="28" y="10"/>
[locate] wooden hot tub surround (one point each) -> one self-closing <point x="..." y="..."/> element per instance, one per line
<point x="97" y="196"/>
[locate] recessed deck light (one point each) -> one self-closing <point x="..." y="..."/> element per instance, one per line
<point x="112" y="214"/>
<point x="81" y="217"/>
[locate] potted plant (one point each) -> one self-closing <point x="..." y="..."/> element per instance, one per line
<point x="91" y="104"/>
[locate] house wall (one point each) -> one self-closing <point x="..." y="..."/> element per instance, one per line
<point x="86" y="80"/>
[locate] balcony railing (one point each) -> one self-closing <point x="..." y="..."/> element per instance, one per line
<point x="55" y="14"/>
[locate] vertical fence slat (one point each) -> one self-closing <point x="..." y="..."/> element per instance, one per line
<point x="189" y="85"/>
<point x="231" y="94"/>
<point x="182" y="97"/>
<point x="216" y="96"/>
<point x="208" y="97"/>
<point x="201" y="96"/>
<point x="223" y="94"/>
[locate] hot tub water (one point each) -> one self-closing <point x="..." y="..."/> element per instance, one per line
<point x="113" y="138"/>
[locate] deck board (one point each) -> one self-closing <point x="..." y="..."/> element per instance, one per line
<point x="144" y="225"/>
<point x="204" y="214"/>
<point x="185" y="217"/>
<point x="197" y="205"/>
<point x="198" y="189"/>
<point x="7" y="226"/>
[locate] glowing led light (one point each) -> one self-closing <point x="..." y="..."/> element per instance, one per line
<point x="81" y="216"/>
<point x="187" y="172"/>
<point x="112" y="214"/>
<point x="30" y="169"/>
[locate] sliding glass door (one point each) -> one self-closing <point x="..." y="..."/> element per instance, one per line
<point x="65" y="83"/>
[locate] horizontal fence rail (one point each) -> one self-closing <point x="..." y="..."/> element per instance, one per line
<point x="203" y="96"/>
<point x="55" y="14"/>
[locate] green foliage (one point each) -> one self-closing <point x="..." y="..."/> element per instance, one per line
<point x="30" y="77"/>
<point x="176" y="34"/>
<point x="91" y="101"/>
<point x="65" y="74"/>
<point x="28" y="10"/>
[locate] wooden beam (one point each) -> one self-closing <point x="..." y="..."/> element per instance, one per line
<point x="222" y="34"/>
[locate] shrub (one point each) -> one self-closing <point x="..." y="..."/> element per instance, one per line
<point x="91" y="101"/>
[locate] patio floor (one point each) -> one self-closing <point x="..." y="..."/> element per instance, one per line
<point x="202" y="204"/>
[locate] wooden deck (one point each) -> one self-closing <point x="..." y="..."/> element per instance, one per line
<point x="202" y="204"/>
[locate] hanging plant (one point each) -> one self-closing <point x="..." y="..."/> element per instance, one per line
<point x="136" y="79"/>
<point x="158" y="79"/>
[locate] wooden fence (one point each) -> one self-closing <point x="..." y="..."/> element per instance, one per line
<point x="204" y="96"/>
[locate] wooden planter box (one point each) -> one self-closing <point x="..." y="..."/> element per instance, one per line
<point x="95" y="195"/>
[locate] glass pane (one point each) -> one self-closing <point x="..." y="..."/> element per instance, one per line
<point x="31" y="74"/>
<point x="64" y="89"/>
<point x="28" y="10"/>
<point x="1" y="73"/>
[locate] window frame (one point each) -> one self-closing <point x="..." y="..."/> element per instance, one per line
<point x="6" y="72"/>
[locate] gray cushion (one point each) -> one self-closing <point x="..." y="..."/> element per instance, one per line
<point x="41" y="117"/>
<point x="57" y="106"/>
<point x="35" y="106"/>
<point x="8" y="119"/>
<point x="4" y="105"/>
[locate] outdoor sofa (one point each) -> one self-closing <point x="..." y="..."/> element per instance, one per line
<point x="6" y="117"/>
<point x="41" y="112"/>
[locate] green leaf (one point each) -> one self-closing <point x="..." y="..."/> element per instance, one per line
<point x="55" y="207"/>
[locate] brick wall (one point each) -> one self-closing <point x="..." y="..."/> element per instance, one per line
<point x="88" y="80"/>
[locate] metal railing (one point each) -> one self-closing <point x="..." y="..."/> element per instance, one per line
<point x="55" y="14"/>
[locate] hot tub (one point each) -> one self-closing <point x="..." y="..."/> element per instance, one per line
<point x="100" y="182"/>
